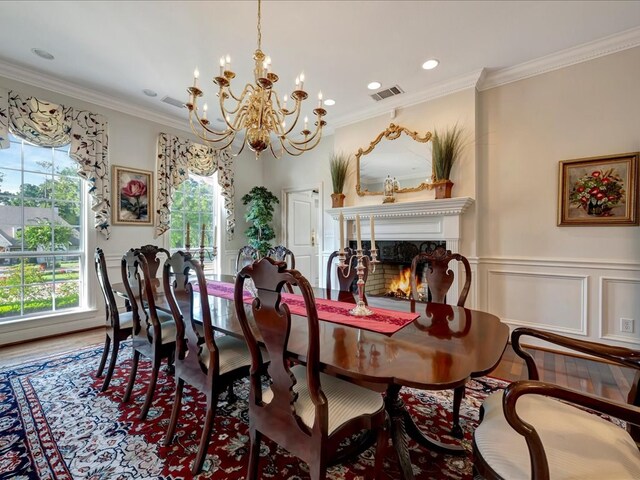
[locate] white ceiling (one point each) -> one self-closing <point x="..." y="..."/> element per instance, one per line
<point x="121" y="48"/>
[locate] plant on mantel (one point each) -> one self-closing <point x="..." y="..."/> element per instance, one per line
<point x="446" y="150"/>
<point x="339" y="167"/>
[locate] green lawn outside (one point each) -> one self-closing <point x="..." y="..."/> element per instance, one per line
<point x="12" y="309"/>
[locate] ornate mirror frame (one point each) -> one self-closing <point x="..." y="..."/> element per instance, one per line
<point x="391" y="133"/>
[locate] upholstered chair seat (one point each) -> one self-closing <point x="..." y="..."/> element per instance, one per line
<point x="346" y="401"/>
<point x="579" y="445"/>
<point x="232" y="354"/>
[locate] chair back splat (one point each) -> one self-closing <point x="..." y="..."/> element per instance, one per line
<point x="296" y="411"/>
<point x="438" y="274"/>
<point x="246" y="256"/>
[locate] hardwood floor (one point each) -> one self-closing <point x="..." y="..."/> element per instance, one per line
<point x="578" y="373"/>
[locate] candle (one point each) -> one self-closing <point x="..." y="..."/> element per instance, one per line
<point x="306" y="123"/>
<point x="202" y="237"/>
<point x="228" y="63"/>
<point x="196" y="74"/>
<point x="221" y="66"/>
<point x="373" y="237"/>
<point x="188" y="234"/>
<point x="319" y="99"/>
<point x="285" y="103"/>
<point x="341" y="221"/>
<point x="358" y="232"/>
<point x="302" y="81"/>
<point x="215" y="234"/>
<point x="205" y="107"/>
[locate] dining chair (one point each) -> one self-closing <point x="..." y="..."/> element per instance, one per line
<point x="345" y="277"/>
<point x="154" y="336"/>
<point x="540" y="430"/>
<point x="205" y="362"/>
<point x="280" y="253"/>
<point x="439" y="279"/>
<point x="118" y="325"/>
<point x="246" y="255"/>
<point x="307" y="412"/>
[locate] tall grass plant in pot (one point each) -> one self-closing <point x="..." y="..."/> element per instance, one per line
<point x="447" y="148"/>
<point x="339" y="167"/>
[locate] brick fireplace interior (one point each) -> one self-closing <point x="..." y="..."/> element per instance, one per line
<point x="393" y="274"/>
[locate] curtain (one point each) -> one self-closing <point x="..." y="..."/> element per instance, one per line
<point x="49" y="125"/>
<point x="179" y="156"/>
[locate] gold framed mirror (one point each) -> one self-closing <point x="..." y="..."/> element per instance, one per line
<point x="404" y="155"/>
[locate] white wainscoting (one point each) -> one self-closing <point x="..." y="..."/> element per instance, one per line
<point x="619" y="298"/>
<point x="579" y="297"/>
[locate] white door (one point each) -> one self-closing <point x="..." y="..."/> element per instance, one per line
<point x="302" y="235"/>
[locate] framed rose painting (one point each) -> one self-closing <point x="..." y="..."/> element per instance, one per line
<point x="599" y="191"/>
<point x="132" y="196"/>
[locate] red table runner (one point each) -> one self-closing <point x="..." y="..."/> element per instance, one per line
<point x="382" y="320"/>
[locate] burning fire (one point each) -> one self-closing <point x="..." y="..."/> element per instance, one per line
<point x="401" y="285"/>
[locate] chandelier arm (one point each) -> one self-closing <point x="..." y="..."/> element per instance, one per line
<point x="239" y="103"/>
<point x="223" y="134"/>
<point x="297" y="111"/>
<point x="305" y="144"/>
<point x="245" y="90"/>
<point x="294" y="153"/>
<point x="311" y="138"/>
<point x="273" y="152"/>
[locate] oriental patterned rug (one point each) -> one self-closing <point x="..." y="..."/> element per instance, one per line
<point x="56" y="424"/>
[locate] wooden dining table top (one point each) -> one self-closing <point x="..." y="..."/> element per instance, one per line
<point x="441" y="349"/>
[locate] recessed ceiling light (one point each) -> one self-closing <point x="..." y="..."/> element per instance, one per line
<point x="149" y="93"/>
<point x="42" y="53"/>
<point x="373" y="85"/>
<point x="329" y="102"/>
<point x="430" y="64"/>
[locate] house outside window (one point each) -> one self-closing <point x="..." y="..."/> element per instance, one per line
<point x="42" y="231"/>
<point x="196" y="202"/>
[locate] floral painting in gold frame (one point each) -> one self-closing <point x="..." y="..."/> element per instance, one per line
<point x="599" y="191"/>
<point x="132" y="196"/>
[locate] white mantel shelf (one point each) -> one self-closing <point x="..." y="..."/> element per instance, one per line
<point x="442" y="207"/>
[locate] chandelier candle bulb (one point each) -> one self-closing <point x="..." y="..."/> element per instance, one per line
<point x="302" y="81"/>
<point x="359" y="240"/>
<point x="285" y="103"/>
<point x="196" y="74"/>
<point x="341" y="221"/>
<point x="306" y="123"/>
<point x="205" y="107"/>
<point x="319" y="99"/>
<point x="373" y="237"/>
<point x="221" y="66"/>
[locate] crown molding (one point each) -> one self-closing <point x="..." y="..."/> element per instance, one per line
<point x="441" y="89"/>
<point x="63" y="87"/>
<point x="564" y="58"/>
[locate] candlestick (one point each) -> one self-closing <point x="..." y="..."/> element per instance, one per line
<point x="215" y="234"/>
<point x="187" y="242"/>
<point x="373" y="235"/>
<point x="341" y="220"/>
<point x="359" y="247"/>
<point x="202" y="237"/>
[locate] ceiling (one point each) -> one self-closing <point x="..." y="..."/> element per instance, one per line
<point x="120" y="48"/>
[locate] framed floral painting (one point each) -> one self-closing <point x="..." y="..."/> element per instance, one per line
<point x="599" y="191"/>
<point x="132" y="196"/>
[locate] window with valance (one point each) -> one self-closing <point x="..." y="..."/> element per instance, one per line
<point x="46" y="124"/>
<point x="177" y="158"/>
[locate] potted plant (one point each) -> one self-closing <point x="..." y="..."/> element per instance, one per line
<point x="260" y="202"/>
<point x="339" y="166"/>
<point x="446" y="150"/>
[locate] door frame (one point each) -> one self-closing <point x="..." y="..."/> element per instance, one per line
<point x="284" y="197"/>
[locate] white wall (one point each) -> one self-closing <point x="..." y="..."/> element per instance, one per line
<point x="133" y="143"/>
<point x="579" y="280"/>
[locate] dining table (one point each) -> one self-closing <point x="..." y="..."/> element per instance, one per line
<point x="441" y="349"/>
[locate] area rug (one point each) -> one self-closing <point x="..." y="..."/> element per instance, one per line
<point x="56" y="424"/>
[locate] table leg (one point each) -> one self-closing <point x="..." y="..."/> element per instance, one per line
<point x="402" y="425"/>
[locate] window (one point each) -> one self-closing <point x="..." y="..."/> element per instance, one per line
<point x="42" y="231"/>
<point x="195" y="204"/>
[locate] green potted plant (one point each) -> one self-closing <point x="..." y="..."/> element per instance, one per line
<point x="339" y="166"/>
<point x="447" y="147"/>
<point x="260" y="202"/>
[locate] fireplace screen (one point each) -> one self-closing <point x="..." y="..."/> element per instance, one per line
<point x="393" y="274"/>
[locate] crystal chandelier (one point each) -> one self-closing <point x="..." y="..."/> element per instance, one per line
<point x="257" y="111"/>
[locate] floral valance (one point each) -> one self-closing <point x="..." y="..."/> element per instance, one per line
<point x="49" y="125"/>
<point x="179" y="156"/>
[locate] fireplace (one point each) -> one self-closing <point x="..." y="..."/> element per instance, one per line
<point x="392" y="276"/>
<point x="409" y="223"/>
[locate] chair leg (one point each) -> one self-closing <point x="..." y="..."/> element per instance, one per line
<point x="112" y="364"/>
<point x="231" y="395"/>
<point x="255" y="438"/>
<point x="105" y="354"/>
<point x="151" y="388"/>
<point x="132" y="376"/>
<point x="458" y="395"/>
<point x="212" y="406"/>
<point x="318" y="469"/>
<point x="381" y="447"/>
<point x="177" y="402"/>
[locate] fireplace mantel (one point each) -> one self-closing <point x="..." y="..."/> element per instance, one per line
<point x="443" y="207"/>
